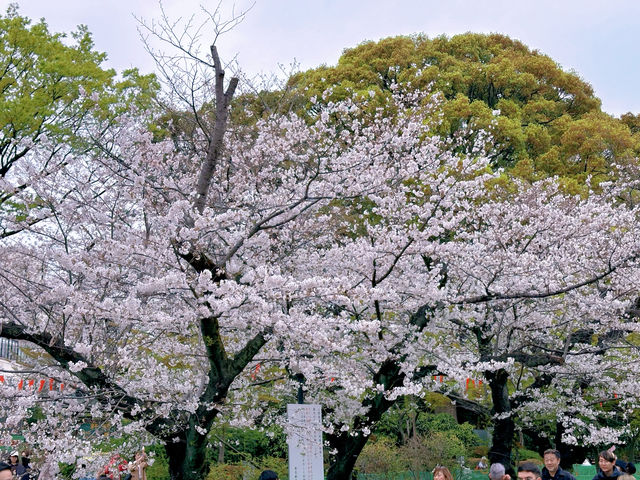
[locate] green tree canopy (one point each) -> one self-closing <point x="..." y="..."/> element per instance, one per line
<point x="50" y="84"/>
<point x="542" y="119"/>
<point x="53" y="88"/>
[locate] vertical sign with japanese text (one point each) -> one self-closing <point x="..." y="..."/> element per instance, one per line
<point x="304" y="437"/>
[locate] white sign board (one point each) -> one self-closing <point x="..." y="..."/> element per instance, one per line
<point x="304" y="437"/>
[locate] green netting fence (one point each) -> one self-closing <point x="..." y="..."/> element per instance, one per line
<point x="465" y="474"/>
<point x="584" y="472"/>
<point x="581" y="472"/>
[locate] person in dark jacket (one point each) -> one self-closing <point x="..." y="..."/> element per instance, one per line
<point x="268" y="475"/>
<point x="552" y="469"/>
<point x="607" y="466"/>
<point x="626" y="467"/>
<point x="26" y="459"/>
<point x="17" y="468"/>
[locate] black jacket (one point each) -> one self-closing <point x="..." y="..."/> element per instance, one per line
<point x="560" y="475"/>
<point x="601" y="476"/>
<point x="626" y="467"/>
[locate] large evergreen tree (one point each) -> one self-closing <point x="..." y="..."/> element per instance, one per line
<point x="542" y="120"/>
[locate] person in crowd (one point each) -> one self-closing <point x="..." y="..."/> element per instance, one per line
<point x="5" y="471"/>
<point x="17" y="469"/>
<point x="552" y="469"/>
<point x="625" y="467"/>
<point x="607" y="466"/>
<point x="497" y="472"/>
<point x="268" y="475"/>
<point x="529" y="471"/>
<point x="116" y="467"/>
<point x="26" y="459"/>
<point x="482" y="464"/>
<point x="138" y="467"/>
<point x="442" y="473"/>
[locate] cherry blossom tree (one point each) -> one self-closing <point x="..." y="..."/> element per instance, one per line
<point x="543" y="346"/>
<point x="456" y="278"/>
<point x="156" y="277"/>
<point x="356" y="251"/>
<point x="52" y="90"/>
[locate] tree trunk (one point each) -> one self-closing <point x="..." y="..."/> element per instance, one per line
<point x="187" y="456"/>
<point x="570" y="454"/>
<point x="175" y="449"/>
<point x="221" y="452"/>
<point x="503" y="426"/>
<point x="348" y="446"/>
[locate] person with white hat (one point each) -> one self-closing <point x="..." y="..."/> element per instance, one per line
<point x="17" y="468"/>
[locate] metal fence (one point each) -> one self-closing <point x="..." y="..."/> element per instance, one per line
<point x="584" y="472"/>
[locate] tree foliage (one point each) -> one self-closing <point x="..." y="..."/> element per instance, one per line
<point x="359" y="251"/>
<point x="51" y="88"/>
<point x="542" y="119"/>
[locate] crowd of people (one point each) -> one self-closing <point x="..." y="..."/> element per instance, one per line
<point x="119" y="469"/>
<point x="18" y="467"/>
<point x="609" y="468"/>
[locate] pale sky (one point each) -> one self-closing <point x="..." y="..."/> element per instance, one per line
<point x="598" y="39"/>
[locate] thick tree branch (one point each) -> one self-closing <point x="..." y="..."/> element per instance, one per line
<point x="91" y="376"/>
<point x="223" y="100"/>
<point x="531" y="360"/>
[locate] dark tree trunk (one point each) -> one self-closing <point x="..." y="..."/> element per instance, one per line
<point x="503" y="427"/>
<point x="348" y="446"/>
<point x="390" y="375"/>
<point x="570" y="454"/>
<point x="187" y="455"/>
<point x="175" y="451"/>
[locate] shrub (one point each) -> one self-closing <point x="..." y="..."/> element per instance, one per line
<point x="228" y="471"/>
<point x="381" y="457"/>
<point x="529" y="455"/>
<point x="424" y="453"/>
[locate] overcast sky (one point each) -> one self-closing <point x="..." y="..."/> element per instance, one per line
<point x="598" y="39"/>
